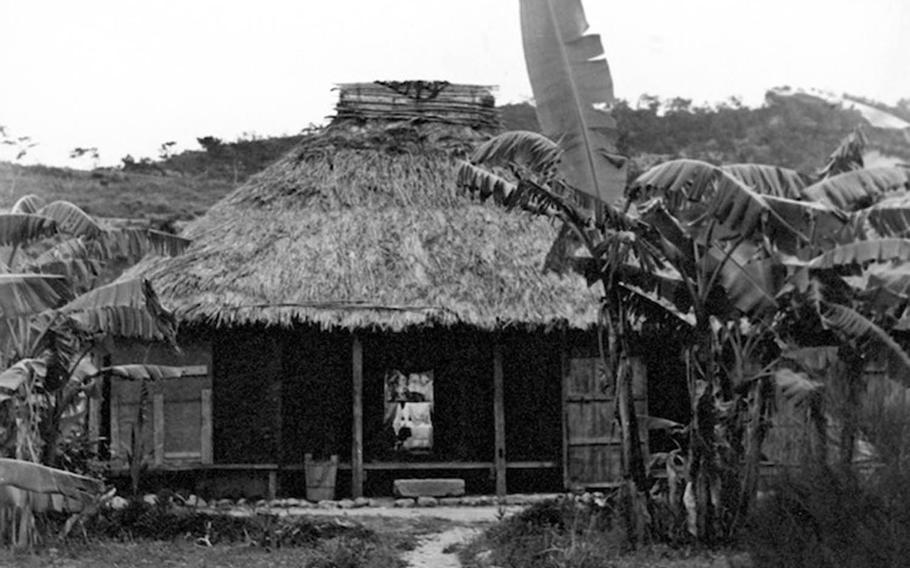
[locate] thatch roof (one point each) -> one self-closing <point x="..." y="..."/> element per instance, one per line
<point x="361" y="225"/>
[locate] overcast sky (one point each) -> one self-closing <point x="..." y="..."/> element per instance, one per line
<point x="126" y="76"/>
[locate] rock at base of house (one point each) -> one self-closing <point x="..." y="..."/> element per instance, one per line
<point x="429" y="487"/>
<point x="450" y="501"/>
<point x="405" y="503"/>
<point x="361" y="502"/>
<point x="346" y="504"/>
<point x="427" y="502"/>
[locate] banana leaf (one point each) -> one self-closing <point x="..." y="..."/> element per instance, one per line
<point x="571" y="83"/>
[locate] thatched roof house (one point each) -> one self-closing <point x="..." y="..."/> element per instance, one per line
<point x="361" y="226"/>
<point x="353" y="262"/>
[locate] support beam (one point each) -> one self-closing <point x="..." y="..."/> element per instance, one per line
<point x="357" y="429"/>
<point x="499" y="421"/>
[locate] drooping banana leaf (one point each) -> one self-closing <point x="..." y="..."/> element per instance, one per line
<point x="26" y="294"/>
<point x="815" y="359"/>
<point x="890" y="217"/>
<point x="41" y="479"/>
<point x="133" y="244"/>
<point x="697" y="192"/>
<point x="27" y="204"/>
<point x="145" y="372"/>
<point x="682" y="184"/>
<point x="848" y="155"/>
<point x="854" y="325"/>
<point x="76" y="270"/>
<point x="18" y="374"/>
<point x="125" y="308"/>
<point x="854" y="190"/>
<point x="482" y="183"/>
<point x="528" y="150"/>
<point x="23" y="228"/>
<point x="571" y="83"/>
<point x="525" y="195"/>
<point x="863" y="252"/>
<point x="71" y="219"/>
<point x="795" y="386"/>
<point x="769" y="180"/>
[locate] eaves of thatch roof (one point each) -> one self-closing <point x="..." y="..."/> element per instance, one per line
<point x="361" y="226"/>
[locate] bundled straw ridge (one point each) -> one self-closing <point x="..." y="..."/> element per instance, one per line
<point x="361" y="226"/>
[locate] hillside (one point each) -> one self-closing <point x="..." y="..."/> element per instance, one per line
<point x="792" y="131"/>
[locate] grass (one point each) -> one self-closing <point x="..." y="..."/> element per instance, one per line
<point x="145" y="535"/>
<point x="824" y="517"/>
<point x="337" y="552"/>
<point x="113" y="193"/>
<point x="563" y="533"/>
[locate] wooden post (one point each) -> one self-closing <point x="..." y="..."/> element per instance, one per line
<point x="205" y="432"/>
<point x="114" y="448"/>
<point x="564" y="389"/>
<point x="357" y="447"/>
<point x="499" y="421"/>
<point x="273" y="484"/>
<point x="158" y="427"/>
<point x="94" y="418"/>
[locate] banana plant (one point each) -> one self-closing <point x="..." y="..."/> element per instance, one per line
<point x="712" y="250"/>
<point x="59" y="297"/>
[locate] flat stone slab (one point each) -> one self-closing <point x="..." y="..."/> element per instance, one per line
<point x="429" y="487"/>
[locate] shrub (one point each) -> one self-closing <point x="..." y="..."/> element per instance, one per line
<point x="558" y="532"/>
<point x="140" y="520"/>
<point x="826" y="517"/>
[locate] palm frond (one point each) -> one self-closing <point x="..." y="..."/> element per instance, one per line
<point x="854" y="190"/>
<point x="571" y="80"/>
<point x="529" y="150"/>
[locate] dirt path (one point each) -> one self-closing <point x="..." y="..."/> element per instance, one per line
<point x="433" y="551"/>
<point x="438" y="528"/>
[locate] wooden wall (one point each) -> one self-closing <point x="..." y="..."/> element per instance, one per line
<point x="532" y="376"/>
<point x="178" y="427"/>
<point x="592" y="452"/>
<point x="316" y="394"/>
<point x="247" y="395"/>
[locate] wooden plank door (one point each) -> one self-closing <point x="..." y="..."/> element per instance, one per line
<point x="593" y="452"/>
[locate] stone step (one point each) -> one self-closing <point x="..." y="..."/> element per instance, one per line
<point x="429" y="487"/>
